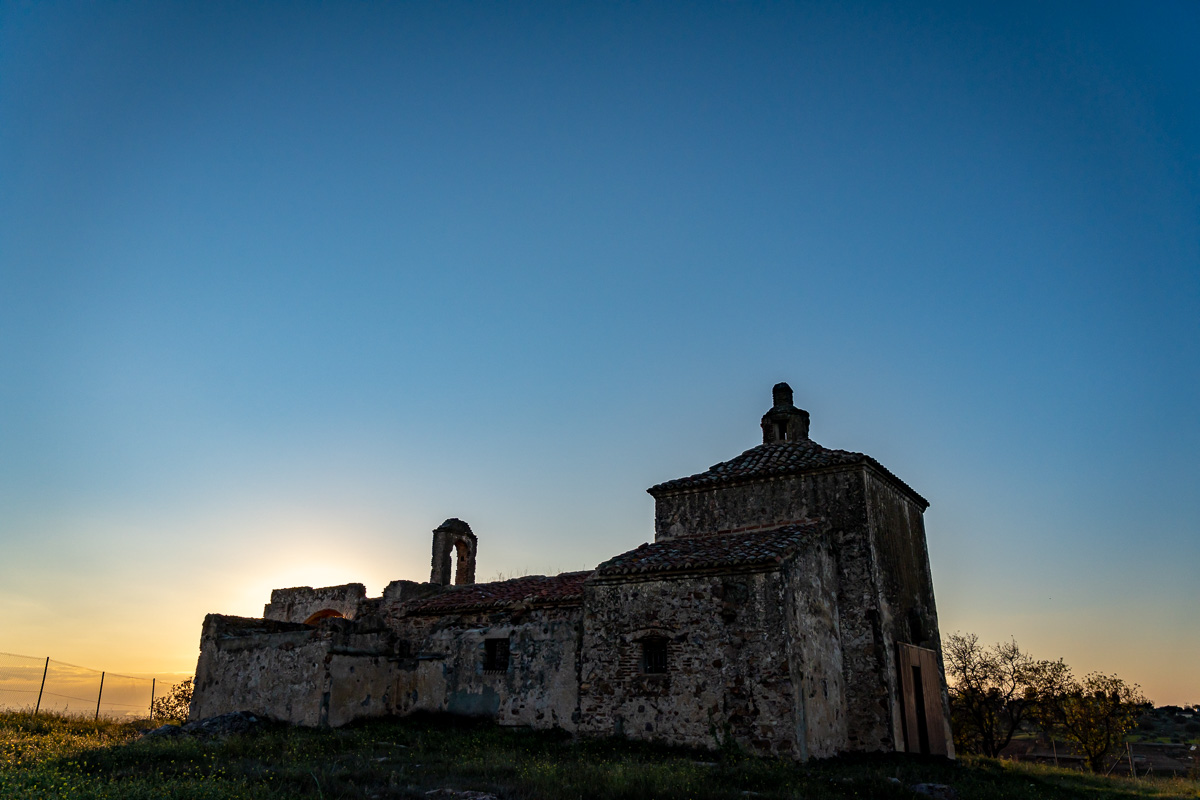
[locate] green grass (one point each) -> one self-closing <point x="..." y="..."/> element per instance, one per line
<point x="57" y="757"/>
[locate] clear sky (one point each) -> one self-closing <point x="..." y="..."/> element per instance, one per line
<point x="285" y="285"/>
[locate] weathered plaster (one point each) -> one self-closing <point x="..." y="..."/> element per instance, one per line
<point x="302" y="602"/>
<point x="728" y="674"/>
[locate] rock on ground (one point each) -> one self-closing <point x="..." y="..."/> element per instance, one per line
<point x="223" y="725"/>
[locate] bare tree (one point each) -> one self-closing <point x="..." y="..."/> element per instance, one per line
<point x="992" y="691"/>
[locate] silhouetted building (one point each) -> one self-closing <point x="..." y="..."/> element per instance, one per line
<point x="785" y="604"/>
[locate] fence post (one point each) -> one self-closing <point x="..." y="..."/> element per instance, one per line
<point x="44" y="671"/>
<point x="152" y="680"/>
<point x="98" y="696"/>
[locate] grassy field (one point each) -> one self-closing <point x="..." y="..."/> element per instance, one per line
<point x="1168" y="724"/>
<point x="56" y="757"/>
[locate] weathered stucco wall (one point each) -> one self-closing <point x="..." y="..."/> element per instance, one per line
<point x="299" y="603"/>
<point x="358" y="685"/>
<point x="815" y="650"/>
<point x="727" y="667"/>
<point x="303" y="674"/>
<point x="271" y="669"/>
<point x="838" y="497"/>
<point x="908" y="609"/>
<point x="767" y="503"/>
<point x="899" y="532"/>
<point x="539" y="689"/>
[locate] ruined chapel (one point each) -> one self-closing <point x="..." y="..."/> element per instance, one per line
<point x="785" y="605"/>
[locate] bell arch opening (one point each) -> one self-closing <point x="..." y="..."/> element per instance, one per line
<point x="462" y="565"/>
<point x="454" y="547"/>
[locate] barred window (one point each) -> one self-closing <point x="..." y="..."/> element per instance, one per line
<point x="495" y="655"/>
<point x="654" y="656"/>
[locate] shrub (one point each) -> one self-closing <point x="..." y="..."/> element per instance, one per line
<point x="174" y="705"/>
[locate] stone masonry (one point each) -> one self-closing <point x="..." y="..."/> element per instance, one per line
<point x="785" y="606"/>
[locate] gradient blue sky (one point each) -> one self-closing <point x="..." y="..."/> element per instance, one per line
<point x="284" y="285"/>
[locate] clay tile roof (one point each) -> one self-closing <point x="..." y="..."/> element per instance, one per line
<point x="775" y="460"/>
<point x="564" y="589"/>
<point x="755" y="548"/>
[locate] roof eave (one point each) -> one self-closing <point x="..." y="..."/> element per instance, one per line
<point x="663" y="490"/>
<point x="883" y="472"/>
<point x="642" y="576"/>
<point x="492" y="607"/>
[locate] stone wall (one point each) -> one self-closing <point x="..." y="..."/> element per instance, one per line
<point x="909" y="612"/>
<point x="907" y="585"/>
<point x="761" y="504"/>
<point x="815" y="650"/>
<point x="302" y="602"/>
<point x="838" y="496"/>
<point x="834" y="495"/>
<point x="728" y="675"/>
<point x="871" y="690"/>
<point x="326" y="674"/>
<point x="445" y="670"/>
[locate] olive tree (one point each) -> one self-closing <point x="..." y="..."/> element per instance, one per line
<point x="1094" y="714"/>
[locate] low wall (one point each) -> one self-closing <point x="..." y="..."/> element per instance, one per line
<point x="301" y="674"/>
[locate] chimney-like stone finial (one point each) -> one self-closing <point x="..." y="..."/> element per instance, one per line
<point x="784" y="422"/>
<point x="781" y="393"/>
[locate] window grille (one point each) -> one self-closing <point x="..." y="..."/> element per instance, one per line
<point x="654" y="656"/>
<point x="495" y="655"/>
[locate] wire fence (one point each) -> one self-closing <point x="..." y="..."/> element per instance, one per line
<point x="35" y="684"/>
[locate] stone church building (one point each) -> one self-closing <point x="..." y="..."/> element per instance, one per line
<point x="785" y="605"/>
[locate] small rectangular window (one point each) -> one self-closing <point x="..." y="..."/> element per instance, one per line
<point x="495" y="655"/>
<point x="654" y="656"/>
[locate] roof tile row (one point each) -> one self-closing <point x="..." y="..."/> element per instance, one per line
<point x="706" y="552"/>
<point x="564" y="589"/>
<point x="775" y="459"/>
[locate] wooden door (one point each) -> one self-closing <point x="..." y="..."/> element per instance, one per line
<point x="921" y="716"/>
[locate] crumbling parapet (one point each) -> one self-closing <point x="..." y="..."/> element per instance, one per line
<point x="398" y="592"/>
<point x="306" y="604"/>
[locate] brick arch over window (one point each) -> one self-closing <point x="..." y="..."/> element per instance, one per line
<point x="648" y="651"/>
<point x="453" y="537"/>
<point x="324" y="613"/>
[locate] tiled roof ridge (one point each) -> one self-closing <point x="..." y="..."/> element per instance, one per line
<point x="564" y="588"/>
<point x="728" y="550"/>
<point x="778" y="459"/>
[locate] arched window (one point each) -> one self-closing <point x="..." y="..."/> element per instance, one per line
<point x="324" y="613"/>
